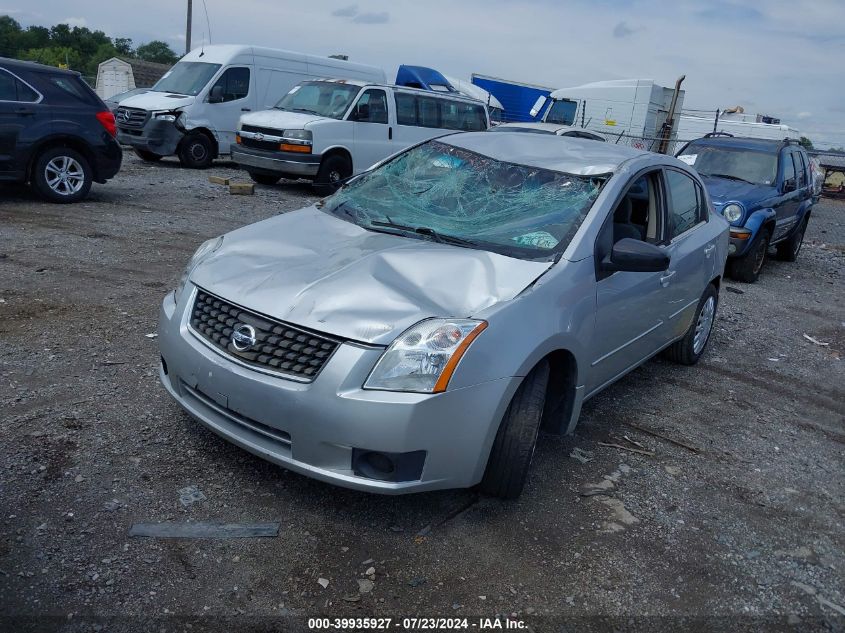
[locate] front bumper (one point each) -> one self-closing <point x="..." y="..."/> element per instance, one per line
<point x="158" y="137"/>
<point x="313" y="428"/>
<point x="278" y="163"/>
<point x="740" y="241"/>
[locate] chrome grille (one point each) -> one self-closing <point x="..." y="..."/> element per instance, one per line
<point x="130" y="117"/>
<point x="279" y="347"/>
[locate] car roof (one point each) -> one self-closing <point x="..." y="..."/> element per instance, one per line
<point x="582" y="157"/>
<point x="455" y="96"/>
<point x="742" y="142"/>
<point x="17" y="64"/>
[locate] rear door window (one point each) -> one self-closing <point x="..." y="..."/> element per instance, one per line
<point x="13" y="89"/>
<point x="685" y="203"/>
<point x="406" y="109"/>
<point x="788" y="167"/>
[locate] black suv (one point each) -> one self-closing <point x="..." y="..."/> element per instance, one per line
<point x="55" y="132"/>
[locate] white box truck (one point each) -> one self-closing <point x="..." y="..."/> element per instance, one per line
<point x="193" y="110"/>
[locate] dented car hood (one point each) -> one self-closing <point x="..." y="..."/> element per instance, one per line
<point x="315" y="270"/>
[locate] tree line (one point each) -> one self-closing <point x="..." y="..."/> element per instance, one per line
<point x="78" y="47"/>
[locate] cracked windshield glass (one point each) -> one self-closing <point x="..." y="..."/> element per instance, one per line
<point x="444" y="193"/>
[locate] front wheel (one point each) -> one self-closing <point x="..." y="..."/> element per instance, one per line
<point x="788" y="250"/>
<point x="195" y="151"/>
<point x="62" y="175"/>
<point x="333" y="171"/>
<point x="748" y="267"/>
<point x="264" y="179"/>
<point x="513" y="448"/>
<point x="689" y="349"/>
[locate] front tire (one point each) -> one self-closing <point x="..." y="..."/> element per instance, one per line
<point x="264" y="179"/>
<point x="788" y="250"/>
<point x="513" y="448"/>
<point x="62" y="175"/>
<point x="689" y="349"/>
<point x="195" y="151"/>
<point x="333" y="171"/>
<point x="147" y="157"/>
<point x="748" y="267"/>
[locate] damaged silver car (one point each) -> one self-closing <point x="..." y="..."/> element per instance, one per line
<point x="417" y="329"/>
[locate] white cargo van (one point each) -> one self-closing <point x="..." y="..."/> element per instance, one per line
<point x="192" y="111"/>
<point x="329" y="130"/>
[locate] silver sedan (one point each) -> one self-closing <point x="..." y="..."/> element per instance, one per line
<point x="415" y="330"/>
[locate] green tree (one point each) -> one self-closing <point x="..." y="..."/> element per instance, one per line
<point x="54" y="56"/>
<point x="156" y="51"/>
<point x="123" y="45"/>
<point x="805" y="142"/>
<point x="10" y="33"/>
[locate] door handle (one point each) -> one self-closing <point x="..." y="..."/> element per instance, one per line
<point x="25" y="111"/>
<point x="246" y="110"/>
<point x="389" y="133"/>
<point x="709" y="250"/>
<point x="664" y="279"/>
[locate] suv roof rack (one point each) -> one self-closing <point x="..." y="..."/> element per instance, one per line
<point x="712" y="134"/>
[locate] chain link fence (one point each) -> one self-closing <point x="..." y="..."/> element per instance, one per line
<point x="645" y="143"/>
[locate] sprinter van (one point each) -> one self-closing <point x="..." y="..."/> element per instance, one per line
<point x="193" y="110"/>
<point x="329" y="130"/>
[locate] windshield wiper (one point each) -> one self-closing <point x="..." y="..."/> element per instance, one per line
<point x="730" y="177"/>
<point x="304" y="110"/>
<point x="424" y="230"/>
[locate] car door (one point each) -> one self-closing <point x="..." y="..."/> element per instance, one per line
<point x="691" y="254"/>
<point x="629" y="305"/>
<point x="23" y="116"/>
<point x="230" y="96"/>
<point x="790" y="194"/>
<point x="372" y="134"/>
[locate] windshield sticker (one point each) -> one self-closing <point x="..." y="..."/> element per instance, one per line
<point x="689" y="159"/>
<point x="540" y="239"/>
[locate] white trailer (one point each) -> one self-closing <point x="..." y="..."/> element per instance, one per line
<point x="630" y="107"/>
<point x="737" y="124"/>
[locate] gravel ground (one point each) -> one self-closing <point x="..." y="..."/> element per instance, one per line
<point x="736" y="518"/>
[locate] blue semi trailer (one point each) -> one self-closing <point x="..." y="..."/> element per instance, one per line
<point x="517" y="98"/>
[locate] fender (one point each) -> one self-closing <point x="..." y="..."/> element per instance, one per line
<point x="758" y="218"/>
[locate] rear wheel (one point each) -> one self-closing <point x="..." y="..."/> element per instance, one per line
<point x="513" y="448"/>
<point x="195" y="151"/>
<point x="62" y="175"/>
<point x="333" y="171"/>
<point x="149" y="157"/>
<point x="264" y="179"/>
<point x="689" y="349"/>
<point x="788" y="250"/>
<point x="748" y="267"/>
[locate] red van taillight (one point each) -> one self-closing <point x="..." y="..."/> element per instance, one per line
<point x="106" y="119"/>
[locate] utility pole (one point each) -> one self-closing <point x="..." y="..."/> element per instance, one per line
<point x="188" y="29"/>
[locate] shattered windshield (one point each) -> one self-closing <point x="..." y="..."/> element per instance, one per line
<point x="325" y="98"/>
<point x="444" y="193"/>
<point x="186" y="78"/>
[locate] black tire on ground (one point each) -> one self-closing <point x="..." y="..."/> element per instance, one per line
<point x="264" y="179"/>
<point x="149" y="157"/>
<point x="513" y="448"/>
<point x="195" y="151"/>
<point x="62" y="175"/>
<point x="748" y="267"/>
<point x="333" y="170"/>
<point x="689" y="349"/>
<point x="788" y="249"/>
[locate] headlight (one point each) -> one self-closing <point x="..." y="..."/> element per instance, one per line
<point x="424" y="357"/>
<point x="205" y="249"/>
<point x="732" y="212"/>
<point x="297" y="135"/>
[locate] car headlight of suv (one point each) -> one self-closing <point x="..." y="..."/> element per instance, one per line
<point x="732" y="212"/>
<point x="423" y="358"/>
<point x="297" y="135"/>
<point x="205" y="249"/>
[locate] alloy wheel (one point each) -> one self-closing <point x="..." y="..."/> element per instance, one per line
<point x="704" y="325"/>
<point x="64" y="175"/>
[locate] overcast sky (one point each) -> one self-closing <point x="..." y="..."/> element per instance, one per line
<point x="777" y="57"/>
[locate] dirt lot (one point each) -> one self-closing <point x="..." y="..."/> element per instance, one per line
<point x="739" y="522"/>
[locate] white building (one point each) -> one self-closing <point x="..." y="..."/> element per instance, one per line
<point x="117" y="75"/>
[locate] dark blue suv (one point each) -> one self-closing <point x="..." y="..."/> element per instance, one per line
<point x="763" y="188"/>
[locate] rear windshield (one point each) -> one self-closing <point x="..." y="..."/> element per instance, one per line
<point x="64" y="89"/>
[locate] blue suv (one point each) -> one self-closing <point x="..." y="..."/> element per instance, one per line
<point x="763" y="188"/>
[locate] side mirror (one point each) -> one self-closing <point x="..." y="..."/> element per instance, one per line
<point x="216" y="95"/>
<point x="635" y="256"/>
<point x="789" y="185"/>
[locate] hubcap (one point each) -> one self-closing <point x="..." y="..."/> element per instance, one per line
<point x="704" y="325"/>
<point x="334" y="176"/>
<point x="198" y="151"/>
<point x="64" y="175"/>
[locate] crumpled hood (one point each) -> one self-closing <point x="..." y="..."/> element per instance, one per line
<point x="724" y="190"/>
<point x="158" y="101"/>
<point x="279" y="119"/>
<point x="312" y="269"/>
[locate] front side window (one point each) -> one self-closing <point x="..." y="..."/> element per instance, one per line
<point x="562" y="111"/>
<point x="232" y="85"/>
<point x="445" y="193"/>
<point x="186" y="78"/>
<point x="756" y="167"/>
<point x="370" y="108"/>
<point x="684" y="203"/>
<point x="323" y="98"/>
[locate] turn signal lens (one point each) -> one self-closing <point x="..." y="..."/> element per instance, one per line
<point x="302" y="149"/>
